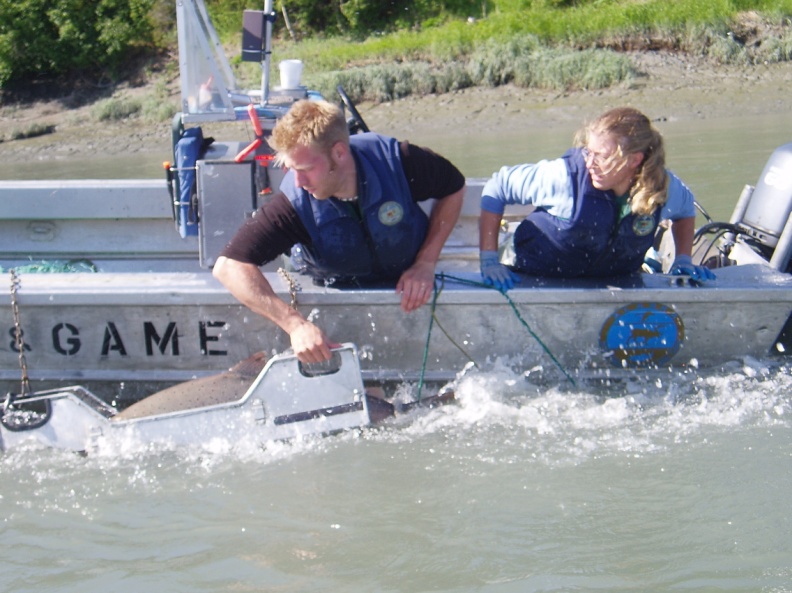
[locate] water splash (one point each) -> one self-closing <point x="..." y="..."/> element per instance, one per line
<point x="509" y="415"/>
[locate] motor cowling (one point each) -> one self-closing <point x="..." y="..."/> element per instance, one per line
<point x="770" y="203"/>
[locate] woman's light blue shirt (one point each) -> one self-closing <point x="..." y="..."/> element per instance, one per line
<point x="547" y="185"/>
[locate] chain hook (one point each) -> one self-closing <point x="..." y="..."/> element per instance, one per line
<point x="294" y="287"/>
<point x="18" y="334"/>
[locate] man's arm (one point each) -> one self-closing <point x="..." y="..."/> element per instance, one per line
<point x="429" y="175"/>
<point x="417" y="282"/>
<point x="246" y="282"/>
<point x="271" y="231"/>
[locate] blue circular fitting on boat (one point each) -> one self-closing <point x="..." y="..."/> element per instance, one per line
<point x="641" y="335"/>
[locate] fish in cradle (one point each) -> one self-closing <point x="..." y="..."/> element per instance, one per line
<point x="267" y="400"/>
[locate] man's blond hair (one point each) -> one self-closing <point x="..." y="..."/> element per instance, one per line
<point x="317" y="124"/>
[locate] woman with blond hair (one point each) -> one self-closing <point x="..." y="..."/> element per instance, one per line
<point x="596" y="208"/>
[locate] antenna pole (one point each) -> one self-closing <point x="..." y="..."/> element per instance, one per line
<point x="269" y="16"/>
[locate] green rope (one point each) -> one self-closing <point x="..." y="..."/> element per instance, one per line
<point x="440" y="325"/>
<point x="442" y="277"/>
<point x="433" y="320"/>
<point x="428" y="337"/>
<point x="55" y="267"/>
<point x="450" y="339"/>
<point x="541" y="343"/>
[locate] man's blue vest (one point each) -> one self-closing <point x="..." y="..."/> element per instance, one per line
<point x="593" y="242"/>
<point x="377" y="242"/>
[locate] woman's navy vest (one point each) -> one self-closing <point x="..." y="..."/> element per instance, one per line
<point x="379" y="241"/>
<point x="592" y="242"/>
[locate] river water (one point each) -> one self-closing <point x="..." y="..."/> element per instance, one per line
<point x="679" y="483"/>
<point x="678" y="486"/>
<point x="715" y="157"/>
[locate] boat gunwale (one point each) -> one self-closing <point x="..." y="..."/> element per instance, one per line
<point x="761" y="284"/>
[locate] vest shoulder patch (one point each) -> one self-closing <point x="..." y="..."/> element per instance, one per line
<point x="643" y="225"/>
<point x="390" y="213"/>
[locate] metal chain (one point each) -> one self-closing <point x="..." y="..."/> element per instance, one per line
<point x="294" y="287"/>
<point x="20" y="342"/>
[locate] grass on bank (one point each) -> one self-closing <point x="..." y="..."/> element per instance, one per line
<point x="155" y="106"/>
<point x="685" y="25"/>
<point x="548" y="44"/>
<point x="540" y="44"/>
<point x="523" y="62"/>
<point x="34" y="130"/>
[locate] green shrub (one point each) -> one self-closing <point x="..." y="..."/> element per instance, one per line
<point x="565" y="70"/>
<point x="777" y="49"/>
<point x="521" y="61"/>
<point x="411" y="44"/>
<point x="70" y="37"/>
<point x="116" y="109"/>
<point x="33" y="131"/>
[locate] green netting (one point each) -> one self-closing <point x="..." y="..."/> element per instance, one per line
<point x="54" y="267"/>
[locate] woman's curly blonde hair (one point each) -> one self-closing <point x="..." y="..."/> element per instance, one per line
<point x="634" y="133"/>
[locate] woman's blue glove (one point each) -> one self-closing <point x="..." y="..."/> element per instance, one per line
<point x="683" y="266"/>
<point x="495" y="273"/>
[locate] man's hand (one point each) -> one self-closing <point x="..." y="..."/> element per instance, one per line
<point x="416" y="285"/>
<point x="246" y="282"/>
<point x="310" y="344"/>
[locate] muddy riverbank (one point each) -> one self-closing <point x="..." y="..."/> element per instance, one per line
<point x="670" y="87"/>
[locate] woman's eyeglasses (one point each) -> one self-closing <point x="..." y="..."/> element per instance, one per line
<point x="596" y="158"/>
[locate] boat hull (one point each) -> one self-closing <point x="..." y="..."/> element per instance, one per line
<point x="153" y="316"/>
<point x="178" y="326"/>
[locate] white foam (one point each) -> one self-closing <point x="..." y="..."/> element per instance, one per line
<point x="500" y="411"/>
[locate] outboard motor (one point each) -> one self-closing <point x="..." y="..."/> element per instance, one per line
<point x="764" y="213"/>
